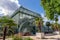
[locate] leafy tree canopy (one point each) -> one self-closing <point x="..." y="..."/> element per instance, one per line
<point x="51" y="8"/>
<point x="7" y="21"/>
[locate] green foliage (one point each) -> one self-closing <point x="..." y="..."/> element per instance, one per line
<point x="51" y="8"/>
<point x="17" y="38"/>
<point x="28" y="38"/>
<point x="48" y="24"/>
<point x="20" y="38"/>
<point x="6" y="21"/>
<point x="39" y="23"/>
<point x="55" y="26"/>
<point x="9" y="23"/>
<point x="56" y="18"/>
<point x="37" y="20"/>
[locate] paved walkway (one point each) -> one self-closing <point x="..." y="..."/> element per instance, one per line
<point x="49" y="37"/>
<point x="37" y="37"/>
<point x="34" y="38"/>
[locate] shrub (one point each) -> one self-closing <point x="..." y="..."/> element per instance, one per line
<point x="17" y="38"/>
<point x="28" y="38"/>
<point x="20" y="38"/>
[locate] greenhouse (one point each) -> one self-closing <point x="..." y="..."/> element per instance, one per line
<point x="25" y="19"/>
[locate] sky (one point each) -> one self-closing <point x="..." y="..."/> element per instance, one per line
<point x="33" y="5"/>
<point x="7" y="7"/>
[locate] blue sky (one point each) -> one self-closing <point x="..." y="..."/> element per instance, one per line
<point x="33" y="5"/>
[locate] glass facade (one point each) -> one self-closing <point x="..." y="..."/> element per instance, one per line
<point x="24" y="19"/>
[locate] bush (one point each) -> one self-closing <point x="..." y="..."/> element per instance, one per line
<point x="28" y="38"/>
<point x="17" y="38"/>
<point x="20" y="38"/>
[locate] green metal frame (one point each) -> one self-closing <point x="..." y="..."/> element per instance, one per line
<point x="18" y="11"/>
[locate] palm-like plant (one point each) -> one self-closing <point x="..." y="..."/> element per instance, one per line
<point x="6" y="23"/>
<point x="56" y="26"/>
<point x="48" y="24"/>
<point x="39" y="23"/>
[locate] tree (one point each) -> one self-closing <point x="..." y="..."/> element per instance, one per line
<point x="52" y="9"/>
<point x="39" y="23"/>
<point x="48" y="24"/>
<point x="55" y="26"/>
<point x="6" y="23"/>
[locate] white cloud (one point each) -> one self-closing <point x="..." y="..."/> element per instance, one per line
<point x="59" y="20"/>
<point x="8" y="6"/>
<point x="44" y="18"/>
<point x="16" y="1"/>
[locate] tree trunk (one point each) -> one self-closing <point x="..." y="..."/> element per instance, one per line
<point x="4" y="35"/>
